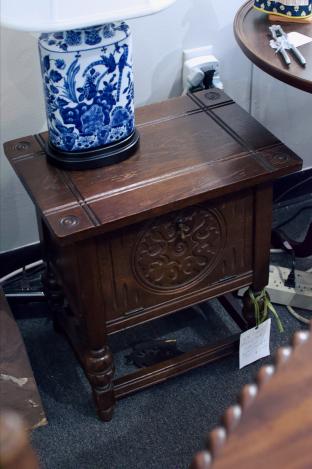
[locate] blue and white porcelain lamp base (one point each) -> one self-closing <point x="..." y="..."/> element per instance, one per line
<point x="88" y="86"/>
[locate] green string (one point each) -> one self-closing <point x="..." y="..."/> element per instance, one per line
<point x="261" y="316"/>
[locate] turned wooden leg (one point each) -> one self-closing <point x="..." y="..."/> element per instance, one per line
<point x="83" y="319"/>
<point x="100" y="371"/>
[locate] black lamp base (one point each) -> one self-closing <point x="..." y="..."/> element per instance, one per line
<point x="90" y="159"/>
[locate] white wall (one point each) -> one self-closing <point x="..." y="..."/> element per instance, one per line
<point x="286" y="111"/>
<point x="22" y="113"/>
<point x="159" y="42"/>
<point x="158" y="45"/>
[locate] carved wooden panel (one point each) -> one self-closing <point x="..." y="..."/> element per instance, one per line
<point x="178" y="250"/>
<point x="175" y="257"/>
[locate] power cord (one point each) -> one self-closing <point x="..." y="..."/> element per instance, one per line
<point x="293" y="217"/>
<point x="301" y="183"/>
<point x="206" y="84"/>
<point x="297" y="316"/>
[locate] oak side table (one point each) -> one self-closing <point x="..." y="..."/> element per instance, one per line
<point x="187" y="218"/>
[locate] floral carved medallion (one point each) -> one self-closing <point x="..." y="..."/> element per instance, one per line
<point x="179" y="250"/>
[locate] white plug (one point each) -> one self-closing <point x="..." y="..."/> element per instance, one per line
<point x="299" y="297"/>
<point x="196" y="63"/>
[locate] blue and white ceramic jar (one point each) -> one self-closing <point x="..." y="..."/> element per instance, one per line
<point x="88" y="86"/>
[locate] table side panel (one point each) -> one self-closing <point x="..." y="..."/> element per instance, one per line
<point x="157" y="267"/>
<point x="152" y="263"/>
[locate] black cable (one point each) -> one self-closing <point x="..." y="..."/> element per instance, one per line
<point x="292" y="188"/>
<point x="308" y="207"/>
<point x="291" y="279"/>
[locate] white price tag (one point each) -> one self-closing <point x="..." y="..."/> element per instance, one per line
<point x="254" y="344"/>
<point x="298" y="39"/>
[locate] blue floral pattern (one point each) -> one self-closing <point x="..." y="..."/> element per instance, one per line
<point x="88" y="91"/>
<point x="289" y="8"/>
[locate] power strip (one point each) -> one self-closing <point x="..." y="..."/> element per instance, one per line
<point x="299" y="297"/>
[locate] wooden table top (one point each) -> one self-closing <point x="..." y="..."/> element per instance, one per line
<point x="193" y="148"/>
<point x="251" y="28"/>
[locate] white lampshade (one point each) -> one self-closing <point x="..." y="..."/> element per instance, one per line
<point x="85" y="51"/>
<point x="62" y="15"/>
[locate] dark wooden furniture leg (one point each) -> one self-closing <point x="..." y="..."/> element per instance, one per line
<point x="91" y="344"/>
<point x="233" y="307"/>
<point x="100" y="371"/>
<point x="262" y="242"/>
<point x="84" y="322"/>
<point x="98" y="362"/>
<point x="95" y="353"/>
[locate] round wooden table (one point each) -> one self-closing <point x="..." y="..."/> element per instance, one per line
<point x="251" y="28"/>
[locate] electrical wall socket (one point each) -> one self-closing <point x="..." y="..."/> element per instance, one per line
<point x="197" y="62"/>
<point x="197" y="52"/>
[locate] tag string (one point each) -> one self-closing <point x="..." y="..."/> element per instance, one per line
<point x="262" y="305"/>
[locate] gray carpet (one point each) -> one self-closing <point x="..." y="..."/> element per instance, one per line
<point x="159" y="428"/>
